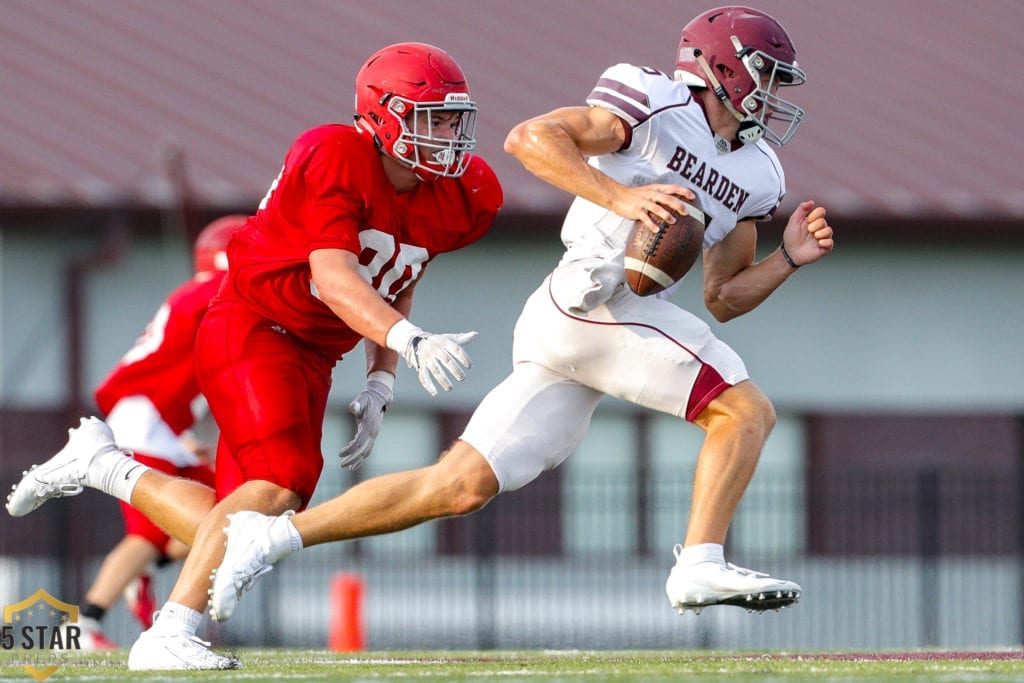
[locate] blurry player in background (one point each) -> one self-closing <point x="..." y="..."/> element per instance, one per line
<point x="332" y="257"/>
<point x="148" y="401"/>
<point x="653" y="140"/>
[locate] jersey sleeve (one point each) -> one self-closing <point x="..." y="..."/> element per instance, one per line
<point x="627" y="91"/>
<point x="632" y="93"/>
<point x="763" y="208"/>
<point x="332" y="205"/>
<point x="485" y="196"/>
<point x="461" y="210"/>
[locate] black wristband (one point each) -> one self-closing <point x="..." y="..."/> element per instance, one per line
<point x="785" y="255"/>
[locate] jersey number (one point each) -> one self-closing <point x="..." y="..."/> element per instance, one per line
<point x="387" y="273"/>
<point x="392" y="266"/>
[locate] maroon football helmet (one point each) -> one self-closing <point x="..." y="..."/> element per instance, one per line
<point x="210" y="246"/>
<point x="398" y="92"/>
<point x="744" y="56"/>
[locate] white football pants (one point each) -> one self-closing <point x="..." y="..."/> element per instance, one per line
<point x="640" y="349"/>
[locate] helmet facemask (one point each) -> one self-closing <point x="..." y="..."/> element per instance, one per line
<point x="420" y="149"/>
<point x="777" y="118"/>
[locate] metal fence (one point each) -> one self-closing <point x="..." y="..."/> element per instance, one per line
<point x="885" y="562"/>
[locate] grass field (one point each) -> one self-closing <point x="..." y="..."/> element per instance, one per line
<point x="568" y="667"/>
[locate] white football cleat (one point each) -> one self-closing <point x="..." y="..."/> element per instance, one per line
<point x="709" y="583"/>
<point x="64" y="474"/>
<point x="245" y="560"/>
<point x="177" y="652"/>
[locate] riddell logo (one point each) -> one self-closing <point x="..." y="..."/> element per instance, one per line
<point x="456" y="97"/>
<point x="40" y="624"/>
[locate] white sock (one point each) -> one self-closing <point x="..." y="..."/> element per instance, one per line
<point x="704" y="552"/>
<point x="284" y="538"/>
<point x="175" y="618"/>
<point x="115" y="473"/>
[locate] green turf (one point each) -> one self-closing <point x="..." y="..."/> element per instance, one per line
<point x="534" y="666"/>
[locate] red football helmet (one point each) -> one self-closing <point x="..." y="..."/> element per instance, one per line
<point x="398" y="92"/>
<point x="744" y="55"/>
<point x="212" y="242"/>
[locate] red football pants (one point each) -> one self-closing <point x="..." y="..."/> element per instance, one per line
<point x="268" y="392"/>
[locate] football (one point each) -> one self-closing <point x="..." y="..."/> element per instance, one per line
<point x="657" y="260"/>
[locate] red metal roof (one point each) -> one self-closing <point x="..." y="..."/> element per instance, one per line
<point x="914" y="106"/>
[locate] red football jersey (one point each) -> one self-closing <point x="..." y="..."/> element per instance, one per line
<point x="333" y="193"/>
<point x="161" y="365"/>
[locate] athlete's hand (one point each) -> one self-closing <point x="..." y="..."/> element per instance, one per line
<point x="369" y="408"/>
<point x="808" y="236"/>
<point x="433" y="356"/>
<point x="653" y="204"/>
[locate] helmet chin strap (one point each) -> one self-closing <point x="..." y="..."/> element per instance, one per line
<point x="749" y="130"/>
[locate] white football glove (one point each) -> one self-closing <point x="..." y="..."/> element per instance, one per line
<point x="432" y="356"/>
<point x="369" y="408"/>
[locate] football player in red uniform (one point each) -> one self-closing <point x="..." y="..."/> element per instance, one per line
<point x="645" y="142"/>
<point x="148" y="402"/>
<point x="332" y="257"/>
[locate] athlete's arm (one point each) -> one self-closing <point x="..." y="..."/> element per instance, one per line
<point x="379" y="357"/>
<point x="436" y="358"/>
<point x="734" y="284"/>
<point x="372" y="402"/>
<point x="554" y="147"/>
<point x="339" y="285"/>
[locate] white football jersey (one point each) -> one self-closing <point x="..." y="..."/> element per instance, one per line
<point x="670" y="141"/>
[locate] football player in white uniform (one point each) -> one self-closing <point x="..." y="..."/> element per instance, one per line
<point x="646" y="143"/>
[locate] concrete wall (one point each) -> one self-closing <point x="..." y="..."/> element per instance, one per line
<point x="871" y="327"/>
